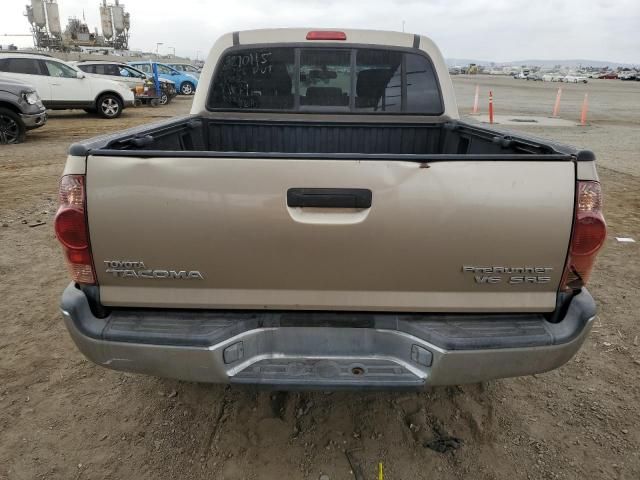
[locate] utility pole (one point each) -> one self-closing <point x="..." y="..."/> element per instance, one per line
<point x="403" y="26"/>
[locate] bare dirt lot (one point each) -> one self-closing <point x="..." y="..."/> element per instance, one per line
<point x="62" y="417"/>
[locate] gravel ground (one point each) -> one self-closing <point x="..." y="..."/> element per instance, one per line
<point x="62" y="417"/>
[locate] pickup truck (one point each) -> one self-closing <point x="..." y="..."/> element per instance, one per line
<point x="323" y="219"/>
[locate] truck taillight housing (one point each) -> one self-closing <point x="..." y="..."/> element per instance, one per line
<point x="588" y="235"/>
<point x="72" y="230"/>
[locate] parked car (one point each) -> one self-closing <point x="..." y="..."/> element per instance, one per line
<point x="118" y="72"/>
<point x="536" y="77"/>
<point x="552" y="77"/>
<point x="21" y="109"/>
<point x="186" y="68"/>
<point x="128" y="75"/>
<point x="186" y="83"/>
<point x="575" y="79"/>
<point x="609" y="75"/>
<point x="628" y="75"/>
<point x="62" y="86"/>
<point x="350" y="246"/>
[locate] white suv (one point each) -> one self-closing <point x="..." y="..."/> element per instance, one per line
<point x="62" y="86"/>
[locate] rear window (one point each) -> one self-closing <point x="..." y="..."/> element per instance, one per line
<point x="28" y="66"/>
<point x="359" y="80"/>
<point x="87" y="68"/>
<point x="107" y="69"/>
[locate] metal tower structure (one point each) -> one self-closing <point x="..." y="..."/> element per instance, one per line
<point x="44" y="18"/>
<point x="115" y="24"/>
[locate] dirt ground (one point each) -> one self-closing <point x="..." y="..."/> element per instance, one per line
<point x="62" y="417"/>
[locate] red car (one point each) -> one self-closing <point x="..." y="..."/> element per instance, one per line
<point x="609" y="76"/>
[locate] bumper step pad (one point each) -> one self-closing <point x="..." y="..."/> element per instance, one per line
<point x="328" y="373"/>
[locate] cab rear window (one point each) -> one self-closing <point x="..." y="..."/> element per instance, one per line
<point x="356" y="80"/>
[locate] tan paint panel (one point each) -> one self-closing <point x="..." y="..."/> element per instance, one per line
<point x="228" y="219"/>
<point x="587" y="171"/>
<point x="126" y="296"/>
<point x="75" y="165"/>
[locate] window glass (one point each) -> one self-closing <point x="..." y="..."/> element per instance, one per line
<point x="130" y="72"/>
<point x="60" y="70"/>
<point x="325" y="78"/>
<point x="165" y="70"/>
<point x="28" y="66"/>
<point x="378" y="81"/>
<point x="255" y="79"/>
<point x="423" y="94"/>
<point x="190" y="68"/>
<point x="112" y="69"/>
<point x="322" y="79"/>
<point x="107" y="69"/>
<point x="87" y="68"/>
<point x="145" y="67"/>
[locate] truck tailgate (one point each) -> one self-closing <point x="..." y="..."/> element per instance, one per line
<point x="451" y="236"/>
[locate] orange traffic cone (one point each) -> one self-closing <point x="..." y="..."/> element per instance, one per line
<point x="556" y="107"/>
<point x="585" y="108"/>
<point x="475" y="101"/>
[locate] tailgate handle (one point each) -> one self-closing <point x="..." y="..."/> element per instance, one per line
<point x="329" y="197"/>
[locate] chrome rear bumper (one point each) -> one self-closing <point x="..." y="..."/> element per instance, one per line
<point x="273" y="349"/>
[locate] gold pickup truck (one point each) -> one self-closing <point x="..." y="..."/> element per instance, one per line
<point x="323" y="219"/>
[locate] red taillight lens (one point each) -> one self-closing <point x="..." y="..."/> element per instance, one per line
<point x="71" y="229"/>
<point x="588" y="236"/>
<point x="326" y="35"/>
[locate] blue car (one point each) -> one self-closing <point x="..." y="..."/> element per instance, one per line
<point x="186" y="68"/>
<point x="186" y="84"/>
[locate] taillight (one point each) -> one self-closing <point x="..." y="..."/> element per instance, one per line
<point x="72" y="231"/>
<point x="326" y="35"/>
<point x="588" y="235"/>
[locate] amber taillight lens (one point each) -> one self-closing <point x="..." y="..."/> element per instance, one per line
<point x="72" y="230"/>
<point x="588" y="235"/>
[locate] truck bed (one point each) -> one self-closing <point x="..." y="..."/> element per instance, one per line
<point x="413" y="141"/>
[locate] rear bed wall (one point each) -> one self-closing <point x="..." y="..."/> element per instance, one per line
<point x="215" y="135"/>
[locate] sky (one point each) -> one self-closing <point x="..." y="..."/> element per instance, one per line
<point x="492" y="30"/>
